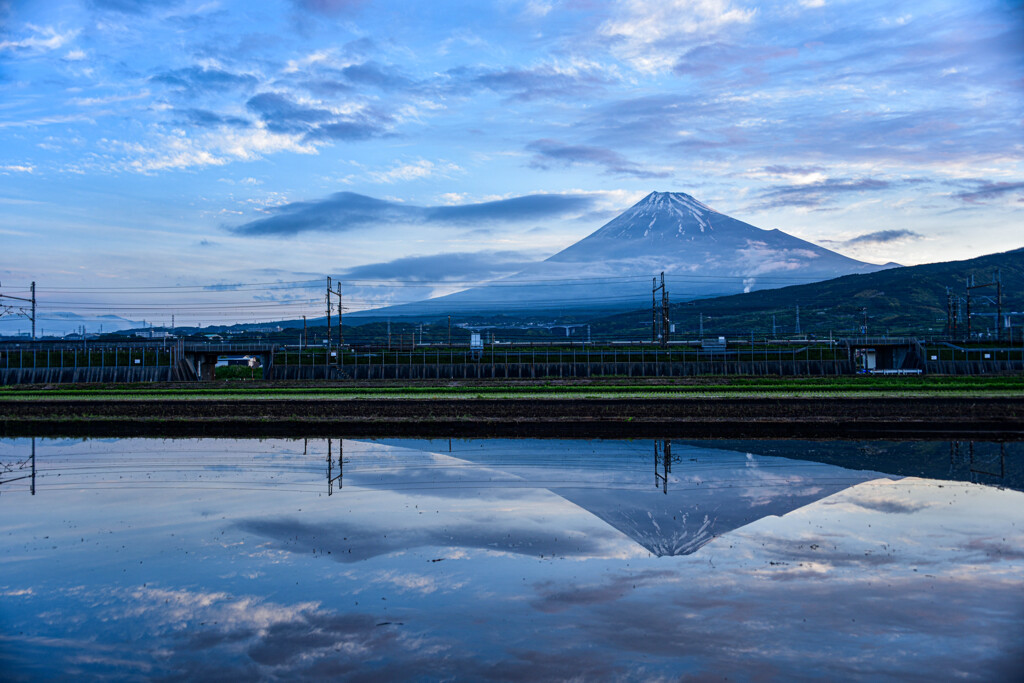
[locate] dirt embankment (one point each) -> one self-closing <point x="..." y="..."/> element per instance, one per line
<point x="671" y="417"/>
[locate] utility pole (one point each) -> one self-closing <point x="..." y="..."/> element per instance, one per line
<point x="970" y="285"/>
<point x="31" y="300"/>
<point x="773" y="325"/>
<point x="797" y="330"/>
<point x="999" y="303"/>
<point x="664" y="312"/>
<point x="341" y="335"/>
<point x="449" y="330"/>
<point x="998" y="284"/>
<point x="304" y="333"/>
<point x="389" y="334"/>
<point x="654" y="310"/>
<point x="949" y="313"/>
<point x="328" y="299"/>
<point x="701" y="325"/>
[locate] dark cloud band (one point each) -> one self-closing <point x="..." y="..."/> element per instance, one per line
<point x="345" y="211"/>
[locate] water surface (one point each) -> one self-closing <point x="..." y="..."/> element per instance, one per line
<point x="510" y="560"/>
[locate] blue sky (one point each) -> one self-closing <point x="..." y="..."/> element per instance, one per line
<point x="200" y="142"/>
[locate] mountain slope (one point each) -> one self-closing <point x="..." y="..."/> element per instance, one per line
<point x="702" y="252"/>
<point x="908" y="299"/>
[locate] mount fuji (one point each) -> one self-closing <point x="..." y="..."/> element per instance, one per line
<point x="703" y="253"/>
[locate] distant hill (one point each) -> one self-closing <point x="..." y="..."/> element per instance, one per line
<point x="702" y="252"/>
<point x="897" y="300"/>
<point x="60" y="323"/>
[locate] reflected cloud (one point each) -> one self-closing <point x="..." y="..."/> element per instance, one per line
<point x="355" y="542"/>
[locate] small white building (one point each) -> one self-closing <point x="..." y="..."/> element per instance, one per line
<point x="476" y="345"/>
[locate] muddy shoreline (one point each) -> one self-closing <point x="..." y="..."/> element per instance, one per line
<point x="726" y="418"/>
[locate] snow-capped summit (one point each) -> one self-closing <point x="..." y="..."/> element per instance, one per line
<point x="662" y="214"/>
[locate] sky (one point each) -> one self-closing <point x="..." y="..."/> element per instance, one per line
<point x="209" y="147"/>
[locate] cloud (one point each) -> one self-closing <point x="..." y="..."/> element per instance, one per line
<point x="523" y="208"/>
<point x="43" y="38"/>
<point x="553" y="597"/>
<point x="884" y="237"/>
<point x="479" y="265"/>
<point x="283" y="115"/>
<point x="373" y="74"/>
<point x="328" y="7"/>
<point x="648" y="33"/>
<point x="987" y="190"/>
<point x="134" y="6"/>
<point x="345" y="211"/>
<point x="351" y="542"/>
<point x="210" y="119"/>
<point x="552" y="152"/>
<point x="712" y="59"/>
<point x="549" y="81"/>
<point x="414" y="171"/>
<point x="816" y="194"/>
<point x="216" y="147"/>
<point x="201" y="79"/>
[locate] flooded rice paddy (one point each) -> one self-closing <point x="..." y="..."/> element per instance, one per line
<point x="510" y="559"/>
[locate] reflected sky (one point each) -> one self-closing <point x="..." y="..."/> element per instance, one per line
<point x="500" y="559"/>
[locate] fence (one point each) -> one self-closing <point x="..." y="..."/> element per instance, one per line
<point x="50" y="363"/>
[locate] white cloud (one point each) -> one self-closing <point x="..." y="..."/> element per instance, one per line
<point x="538" y="8"/>
<point x="452" y="198"/>
<point x="43" y="39"/>
<point x="75" y="55"/>
<point x="47" y="120"/>
<point x="648" y="33"/>
<point x="179" y="150"/>
<point x="296" y="65"/>
<point x="110" y="99"/>
<point x="414" y="171"/>
<point x="18" y="168"/>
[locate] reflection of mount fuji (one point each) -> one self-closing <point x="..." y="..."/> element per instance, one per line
<point x="705" y="494"/>
<point x="693" y="494"/>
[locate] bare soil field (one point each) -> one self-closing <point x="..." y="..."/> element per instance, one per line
<point x="693" y="417"/>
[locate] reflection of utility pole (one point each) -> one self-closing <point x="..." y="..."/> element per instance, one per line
<point x="976" y="468"/>
<point x="664" y="460"/>
<point x="330" y="466"/>
<point x="8" y="469"/>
